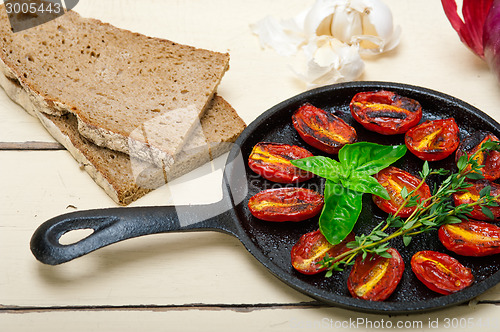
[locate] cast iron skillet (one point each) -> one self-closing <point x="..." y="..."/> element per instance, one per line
<point x="271" y="243"/>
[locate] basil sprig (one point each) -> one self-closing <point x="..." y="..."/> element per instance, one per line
<point x="347" y="180"/>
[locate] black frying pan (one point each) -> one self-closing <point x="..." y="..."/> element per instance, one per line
<point x="271" y="243"/>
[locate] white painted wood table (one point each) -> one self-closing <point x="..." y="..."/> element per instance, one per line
<point x="202" y="281"/>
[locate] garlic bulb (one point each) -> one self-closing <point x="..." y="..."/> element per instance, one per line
<point x="332" y="35"/>
<point x="367" y="23"/>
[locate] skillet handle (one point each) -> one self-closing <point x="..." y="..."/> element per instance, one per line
<point x="116" y="224"/>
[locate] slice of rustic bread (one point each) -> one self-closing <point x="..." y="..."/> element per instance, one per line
<point x="126" y="179"/>
<point x="129" y="92"/>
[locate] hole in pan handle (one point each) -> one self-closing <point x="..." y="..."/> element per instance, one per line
<point x="112" y="225"/>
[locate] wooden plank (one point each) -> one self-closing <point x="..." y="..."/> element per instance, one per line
<point x="427" y="38"/>
<point x="198" y="281"/>
<point x="18" y="126"/>
<point x="278" y="318"/>
<point x="167" y="269"/>
<point x="30" y="145"/>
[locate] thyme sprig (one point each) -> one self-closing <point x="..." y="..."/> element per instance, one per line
<point x="429" y="214"/>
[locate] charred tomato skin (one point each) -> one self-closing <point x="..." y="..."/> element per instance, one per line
<point x="490" y="159"/>
<point x="440" y="272"/>
<point x="286" y="204"/>
<point x="385" y="112"/>
<point x="312" y="248"/>
<point x="322" y="130"/>
<point x="471" y="195"/>
<point x="375" y="278"/>
<point x="471" y="238"/>
<point x="272" y="162"/>
<point x="393" y="179"/>
<point x="433" y="139"/>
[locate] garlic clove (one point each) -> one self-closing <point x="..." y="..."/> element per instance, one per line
<point x="319" y="12"/>
<point x="325" y="26"/>
<point x="378" y="21"/>
<point x="345" y="24"/>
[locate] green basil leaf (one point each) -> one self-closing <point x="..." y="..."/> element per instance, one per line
<point x="340" y="213"/>
<point x="319" y="165"/>
<point x="365" y="184"/>
<point x="368" y="157"/>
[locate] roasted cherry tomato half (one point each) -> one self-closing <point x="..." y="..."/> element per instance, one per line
<point x="272" y="162"/>
<point x="433" y="140"/>
<point x="286" y="204"/>
<point x="312" y="248"/>
<point x="375" y="278"/>
<point x="440" y="272"/>
<point x="322" y="130"/>
<point x="490" y="159"/>
<point x="393" y="180"/>
<point x="471" y="238"/>
<point x="471" y="195"/>
<point x="385" y="112"/>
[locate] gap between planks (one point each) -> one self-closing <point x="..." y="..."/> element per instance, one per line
<point x="208" y="307"/>
<point x="173" y="307"/>
<point x="30" y="146"/>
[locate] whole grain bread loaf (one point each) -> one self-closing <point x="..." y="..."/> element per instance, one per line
<point x="136" y="94"/>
